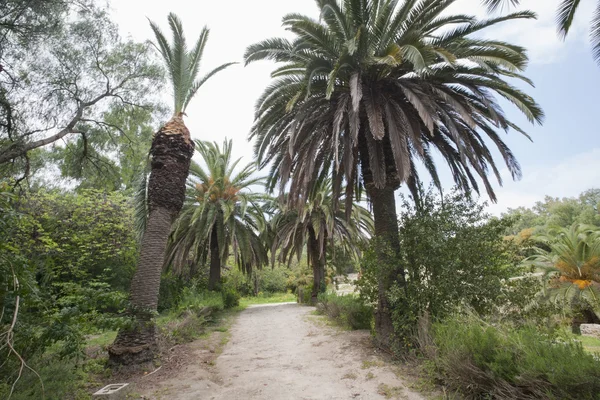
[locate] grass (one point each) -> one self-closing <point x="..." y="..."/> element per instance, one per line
<point x="268" y="299"/>
<point x="388" y="391"/>
<point x="590" y="344"/>
<point x="102" y="340"/>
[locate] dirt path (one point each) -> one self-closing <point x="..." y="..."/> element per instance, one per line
<point x="283" y="352"/>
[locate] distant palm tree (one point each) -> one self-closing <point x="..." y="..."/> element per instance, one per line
<point x="170" y="153"/>
<point x="221" y="213"/>
<point x="381" y="84"/>
<point x="315" y="225"/>
<point x="564" y="19"/>
<point x="572" y="266"/>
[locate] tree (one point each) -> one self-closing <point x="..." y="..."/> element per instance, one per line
<point x="59" y="90"/>
<point x="570" y="260"/>
<point x="221" y="213"/>
<point x="114" y="153"/>
<point x="564" y="19"/>
<point x="382" y="84"/>
<point x="170" y="153"/>
<point x="555" y="212"/>
<point x="317" y="225"/>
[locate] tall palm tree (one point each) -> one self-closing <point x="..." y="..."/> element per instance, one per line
<point x="315" y="224"/>
<point x="170" y="152"/>
<point x="380" y="84"/>
<point x="564" y="19"/>
<point x="221" y="213"/>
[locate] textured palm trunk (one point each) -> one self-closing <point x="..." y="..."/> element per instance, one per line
<point x="215" y="262"/>
<point x="171" y="153"/>
<point x="383" y="201"/>
<point x="386" y="232"/>
<point x="317" y="261"/>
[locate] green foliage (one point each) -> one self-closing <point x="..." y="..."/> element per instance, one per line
<point x="61" y="90"/>
<point x="183" y="63"/>
<point x="570" y="260"/>
<point x="365" y="71"/>
<point x="63" y="379"/>
<point x="231" y="298"/>
<point x="481" y="361"/>
<point x="554" y="212"/>
<point x="221" y="213"/>
<point x="66" y="262"/>
<point x="453" y="255"/>
<point x="348" y="310"/>
<point x="195" y="300"/>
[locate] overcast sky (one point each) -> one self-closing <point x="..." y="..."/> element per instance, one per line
<point x="562" y="161"/>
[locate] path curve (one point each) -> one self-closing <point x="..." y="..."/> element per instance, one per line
<point x="283" y="352"/>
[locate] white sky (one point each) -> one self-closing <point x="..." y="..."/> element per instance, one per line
<point x="224" y="106"/>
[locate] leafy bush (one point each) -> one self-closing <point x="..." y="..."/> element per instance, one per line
<point x="348" y="310"/>
<point x="481" y="360"/>
<point x="231" y="298"/>
<point x="196" y="301"/>
<point x="452" y="255"/>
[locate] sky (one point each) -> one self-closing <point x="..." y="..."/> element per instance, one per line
<point x="562" y="161"/>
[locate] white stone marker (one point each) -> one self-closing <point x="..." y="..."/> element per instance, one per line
<point x="115" y="391"/>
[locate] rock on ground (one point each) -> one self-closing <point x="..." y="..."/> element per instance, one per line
<point x="592" y="330"/>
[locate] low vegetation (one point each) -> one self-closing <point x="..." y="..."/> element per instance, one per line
<point x="349" y="311"/>
<point x="480" y="360"/>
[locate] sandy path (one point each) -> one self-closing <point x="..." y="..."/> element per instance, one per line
<point x="278" y="352"/>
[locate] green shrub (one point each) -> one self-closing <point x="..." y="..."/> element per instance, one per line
<point x="347" y="310"/>
<point x="272" y="280"/>
<point x="186" y="328"/>
<point x="500" y="362"/>
<point x="231" y="297"/>
<point x="196" y="301"/>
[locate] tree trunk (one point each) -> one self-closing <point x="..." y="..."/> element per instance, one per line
<point x="171" y="153"/>
<point x="386" y="232"/>
<point x="215" y="262"/>
<point x="317" y="261"/>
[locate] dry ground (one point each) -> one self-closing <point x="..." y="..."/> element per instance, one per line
<point x="278" y="351"/>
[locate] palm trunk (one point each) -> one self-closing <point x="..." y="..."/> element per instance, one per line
<point x="215" y="262"/>
<point x="171" y="153"/>
<point x="386" y="231"/>
<point x="317" y="261"/>
<point x="385" y="218"/>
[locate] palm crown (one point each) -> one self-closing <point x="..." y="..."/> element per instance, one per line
<point x="183" y="64"/>
<point x="220" y="212"/>
<point x="572" y="262"/>
<point x="318" y="221"/>
<point x="382" y="83"/>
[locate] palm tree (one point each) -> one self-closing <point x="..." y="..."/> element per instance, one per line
<point x="221" y="213"/>
<point x="564" y="19"/>
<point x="381" y="84"/>
<point x="315" y="224"/>
<point x="170" y="152"/>
<point x="570" y="260"/>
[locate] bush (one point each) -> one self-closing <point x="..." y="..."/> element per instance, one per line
<point x="196" y="301"/>
<point x="452" y="255"/>
<point x="500" y="362"/>
<point x="347" y="310"/>
<point x="231" y="297"/>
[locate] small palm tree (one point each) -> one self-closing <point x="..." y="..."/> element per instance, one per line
<point x="564" y="19"/>
<point x="170" y="153"/>
<point x="316" y="224"/>
<point x="570" y="259"/>
<point x="221" y="213"/>
<point x="381" y="85"/>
